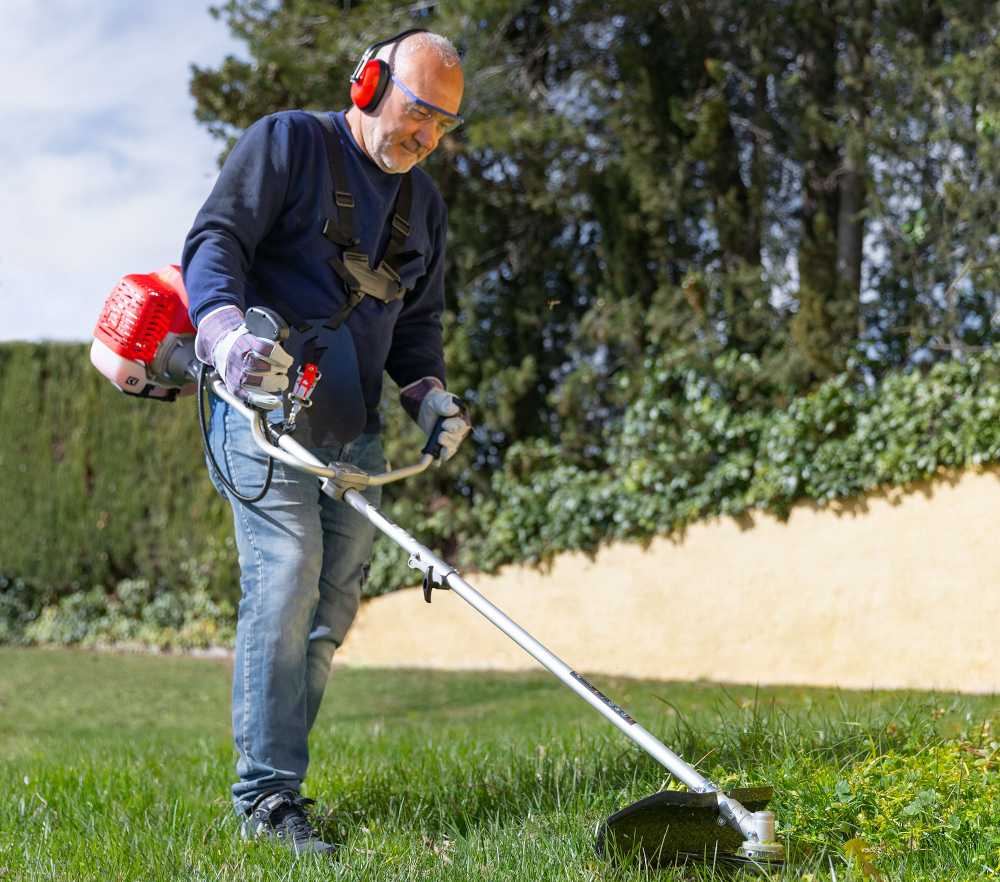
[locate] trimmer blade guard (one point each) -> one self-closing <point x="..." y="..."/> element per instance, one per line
<point x="672" y="827"/>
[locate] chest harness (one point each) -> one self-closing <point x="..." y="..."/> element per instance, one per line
<point x="354" y="268"/>
<point x="326" y="348"/>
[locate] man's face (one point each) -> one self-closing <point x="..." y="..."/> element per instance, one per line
<point x="403" y="132"/>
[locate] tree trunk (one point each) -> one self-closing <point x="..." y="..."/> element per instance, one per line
<point x="818" y="327"/>
<point x="853" y="185"/>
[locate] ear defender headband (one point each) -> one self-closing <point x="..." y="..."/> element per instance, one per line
<point x="372" y="75"/>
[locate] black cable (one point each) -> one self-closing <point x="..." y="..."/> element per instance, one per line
<point x="202" y="387"/>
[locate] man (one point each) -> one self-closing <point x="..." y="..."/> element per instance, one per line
<point x="320" y="218"/>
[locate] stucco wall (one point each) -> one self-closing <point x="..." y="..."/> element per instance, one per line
<point x="900" y="589"/>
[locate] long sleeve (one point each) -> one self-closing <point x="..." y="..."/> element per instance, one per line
<point x="243" y="206"/>
<point x="417" y="342"/>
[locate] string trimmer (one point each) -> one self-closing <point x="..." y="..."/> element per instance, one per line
<point x="143" y="345"/>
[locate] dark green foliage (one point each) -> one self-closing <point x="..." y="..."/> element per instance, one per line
<point x="114" y="533"/>
<point x="938" y="117"/>
<point x="99" y="486"/>
<point x="690" y="447"/>
<point x="699" y="177"/>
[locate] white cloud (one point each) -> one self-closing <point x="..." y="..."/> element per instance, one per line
<point x="102" y="165"/>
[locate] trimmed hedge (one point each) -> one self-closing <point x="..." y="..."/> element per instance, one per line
<point x="113" y="533"/>
<point x="99" y="486"/>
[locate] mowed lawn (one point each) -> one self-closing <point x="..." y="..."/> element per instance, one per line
<point x="117" y="767"/>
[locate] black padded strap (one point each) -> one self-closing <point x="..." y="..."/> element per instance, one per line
<point x="340" y="232"/>
<point x="353" y="299"/>
<point x="401" y="212"/>
<point x="291" y="317"/>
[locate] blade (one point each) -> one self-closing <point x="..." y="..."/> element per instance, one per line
<point x="676" y="826"/>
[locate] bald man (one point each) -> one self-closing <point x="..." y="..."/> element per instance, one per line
<point x="325" y="219"/>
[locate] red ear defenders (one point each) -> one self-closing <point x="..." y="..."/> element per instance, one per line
<point x="371" y="77"/>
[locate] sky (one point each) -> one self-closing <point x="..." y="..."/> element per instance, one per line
<point x="102" y="164"/>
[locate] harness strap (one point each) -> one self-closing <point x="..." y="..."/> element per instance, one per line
<point x="383" y="282"/>
<point x="401" y="212"/>
<point x="344" y="201"/>
<point x="354" y="299"/>
<point x="340" y="231"/>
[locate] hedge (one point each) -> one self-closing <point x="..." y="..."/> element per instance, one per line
<point x="687" y="449"/>
<point x="112" y="532"/>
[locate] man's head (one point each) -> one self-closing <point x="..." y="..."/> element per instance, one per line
<point x="419" y="105"/>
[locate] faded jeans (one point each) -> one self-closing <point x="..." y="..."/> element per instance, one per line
<point x="303" y="558"/>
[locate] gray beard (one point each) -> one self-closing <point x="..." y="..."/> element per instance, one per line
<point x="387" y="164"/>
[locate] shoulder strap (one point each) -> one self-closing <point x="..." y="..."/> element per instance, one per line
<point x="396" y="253"/>
<point x="401" y="210"/>
<point x="345" y="201"/>
<point x="342" y="232"/>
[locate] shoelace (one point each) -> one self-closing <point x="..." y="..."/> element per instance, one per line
<point x="294" y="819"/>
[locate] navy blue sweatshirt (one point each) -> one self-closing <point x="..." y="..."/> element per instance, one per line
<point x="260" y="231"/>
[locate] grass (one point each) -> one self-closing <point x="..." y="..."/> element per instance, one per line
<point x="118" y="768"/>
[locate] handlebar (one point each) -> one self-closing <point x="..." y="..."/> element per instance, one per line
<point x="339" y="477"/>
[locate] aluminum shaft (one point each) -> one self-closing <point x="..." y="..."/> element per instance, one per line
<point x="423" y="558"/>
<point x="439" y="571"/>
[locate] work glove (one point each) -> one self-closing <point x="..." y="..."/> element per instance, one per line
<point x="425" y="400"/>
<point x="255" y="370"/>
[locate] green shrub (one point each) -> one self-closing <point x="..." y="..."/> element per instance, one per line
<point x="135" y="613"/>
<point x="104" y="490"/>
<point x="20" y="604"/>
<point x="688" y="447"/>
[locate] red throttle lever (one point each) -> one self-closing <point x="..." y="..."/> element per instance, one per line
<point x="309" y="375"/>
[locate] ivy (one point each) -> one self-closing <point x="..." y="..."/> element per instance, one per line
<point x="687" y="449"/>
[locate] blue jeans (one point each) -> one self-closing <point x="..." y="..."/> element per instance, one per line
<point x="303" y="558"/>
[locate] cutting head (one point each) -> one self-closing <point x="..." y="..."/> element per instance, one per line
<point x="675" y="826"/>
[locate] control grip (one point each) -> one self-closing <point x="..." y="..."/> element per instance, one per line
<point x="433" y="445"/>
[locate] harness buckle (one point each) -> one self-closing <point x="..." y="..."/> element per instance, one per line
<point x="334" y="232"/>
<point x="343" y="200"/>
<point x="401" y="225"/>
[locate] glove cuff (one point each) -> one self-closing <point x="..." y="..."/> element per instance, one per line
<point x="412" y="395"/>
<point x="212" y="329"/>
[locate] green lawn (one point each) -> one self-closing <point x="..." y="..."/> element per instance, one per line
<point x="118" y="767"/>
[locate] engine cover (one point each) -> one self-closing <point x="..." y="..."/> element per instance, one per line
<point x="144" y="339"/>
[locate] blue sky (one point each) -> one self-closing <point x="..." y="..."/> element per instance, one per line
<point x="102" y="165"/>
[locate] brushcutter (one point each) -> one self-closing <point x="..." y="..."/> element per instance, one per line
<point x="149" y="352"/>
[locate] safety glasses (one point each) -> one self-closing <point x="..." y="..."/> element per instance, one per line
<point x="423" y="111"/>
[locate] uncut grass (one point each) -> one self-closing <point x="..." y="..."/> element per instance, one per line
<point x="117" y="767"/>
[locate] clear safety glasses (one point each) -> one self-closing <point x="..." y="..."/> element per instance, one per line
<point x="423" y="111"/>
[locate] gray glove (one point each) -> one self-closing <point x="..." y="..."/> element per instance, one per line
<point x="425" y="400"/>
<point x="255" y="370"/>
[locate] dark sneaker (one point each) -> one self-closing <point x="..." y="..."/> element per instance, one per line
<point x="282" y="817"/>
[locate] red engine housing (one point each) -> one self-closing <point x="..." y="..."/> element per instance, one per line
<point x="140" y="312"/>
<point x="144" y="339"/>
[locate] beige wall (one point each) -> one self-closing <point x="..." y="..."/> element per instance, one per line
<point x="892" y="590"/>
